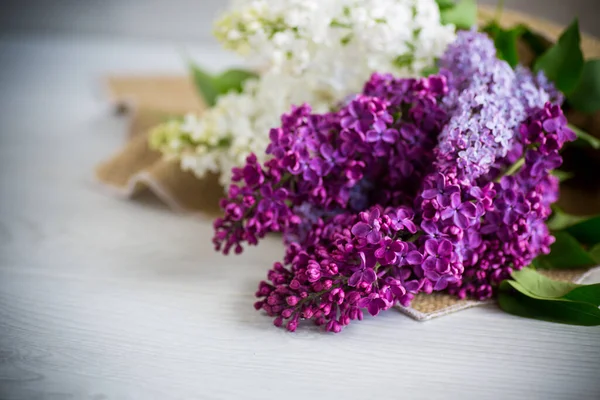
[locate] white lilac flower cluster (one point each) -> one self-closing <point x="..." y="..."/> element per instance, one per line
<point x="311" y="51"/>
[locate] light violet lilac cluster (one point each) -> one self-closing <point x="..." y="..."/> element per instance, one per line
<point x="413" y="186"/>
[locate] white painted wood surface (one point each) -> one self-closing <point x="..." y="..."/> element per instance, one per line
<point x="107" y="299"/>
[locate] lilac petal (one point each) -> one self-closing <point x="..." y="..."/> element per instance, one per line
<point x="364" y="302"/>
<point x="474" y="239"/>
<point x="429" y="193"/>
<point x="468" y="209"/>
<point x="522" y="208"/>
<point x="431" y="246"/>
<point x="369" y="275"/>
<point x="398" y="246"/>
<point x="429" y="227"/>
<point x="476" y="192"/>
<point x="412" y="286"/>
<point x="441" y="284"/>
<point x="440" y="180"/>
<point x="510" y="196"/>
<point x="361" y="229"/>
<point x="327" y="150"/>
<point x="432" y="275"/>
<point x="428" y="264"/>
<point x="266" y="191"/>
<point x="355" y="278"/>
<point x="455" y="200"/>
<point x="403" y="273"/>
<point x="442" y="266"/>
<point x="380" y="252"/>
<point x="452" y="189"/>
<point x="447" y="213"/>
<point x="389" y="258"/>
<point x="510" y="217"/>
<point x="398" y="291"/>
<point x="414" y="257"/>
<point x="489" y="228"/>
<point x="461" y="221"/>
<point x="390" y="136"/>
<point x="372" y="136"/>
<point x="280" y="194"/>
<point x="550" y="125"/>
<point x="373" y="308"/>
<point x="363" y="260"/>
<point x="567" y="134"/>
<point x="444" y="248"/>
<point x="374" y="237"/>
<point x="410" y="226"/>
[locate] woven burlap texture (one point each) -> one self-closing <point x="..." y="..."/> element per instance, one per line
<point x="150" y="100"/>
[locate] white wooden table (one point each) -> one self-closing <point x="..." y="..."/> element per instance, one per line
<point x="107" y="299"/>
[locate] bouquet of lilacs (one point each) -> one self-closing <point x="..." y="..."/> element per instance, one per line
<point x="308" y="51"/>
<point x="415" y="185"/>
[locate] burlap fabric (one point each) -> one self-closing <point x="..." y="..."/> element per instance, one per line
<point x="148" y="101"/>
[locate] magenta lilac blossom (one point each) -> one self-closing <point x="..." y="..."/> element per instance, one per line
<point x="412" y="186"/>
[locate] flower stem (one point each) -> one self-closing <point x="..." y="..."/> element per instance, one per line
<point x="513" y="168"/>
<point x="414" y="237"/>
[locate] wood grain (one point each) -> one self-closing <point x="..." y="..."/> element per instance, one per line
<point x="107" y="299"/>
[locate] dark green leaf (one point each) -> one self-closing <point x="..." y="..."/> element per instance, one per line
<point x="565" y="253"/>
<point x="463" y="15"/>
<point x="445" y="4"/>
<point x="565" y="312"/>
<point x="563" y="62"/>
<point x="584" y="138"/>
<point x="595" y="253"/>
<point x="205" y="85"/>
<point x="585" y="294"/>
<point x="587" y="231"/>
<point x="537" y="43"/>
<point x="561" y="220"/>
<point x="232" y="80"/>
<point x="505" y="41"/>
<point x="586" y="96"/>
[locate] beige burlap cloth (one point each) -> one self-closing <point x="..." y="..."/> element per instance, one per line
<point x="150" y="100"/>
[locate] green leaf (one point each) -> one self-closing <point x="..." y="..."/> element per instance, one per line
<point x="430" y="71"/>
<point x="445" y="4"/>
<point x="586" y="96"/>
<point x="537" y="43"/>
<point x="538" y="286"/>
<point x="562" y="175"/>
<point x="563" y="62"/>
<point x="565" y="253"/>
<point x="204" y="84"/>
<point x="541" y="286"/>
<point x="595" y="253"/>
<point x="463" y="14"/>
<point x="584" y="138"/>
<point x="232" y="80"/>
<point x="211" y="87"/>
<point x="505" y="41"/>
<point x="566" y="312"/>
<point x="561" y="220"/>
<point x="587" y="231"/>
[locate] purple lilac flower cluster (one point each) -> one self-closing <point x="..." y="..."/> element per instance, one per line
<point x="413" y="186"/>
